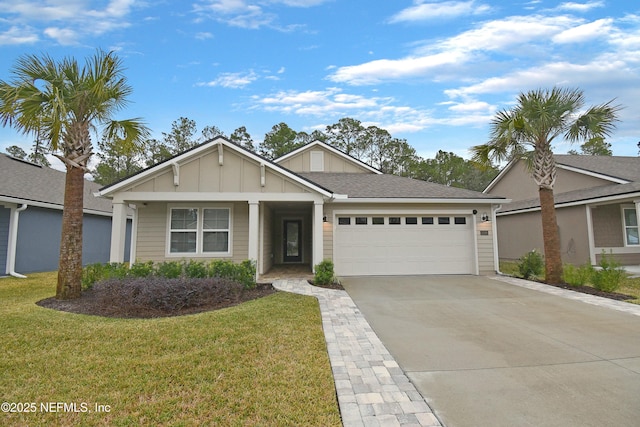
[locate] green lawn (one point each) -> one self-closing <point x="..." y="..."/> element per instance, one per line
<point x="629" y="286"/>
<point x="262" y="363"/>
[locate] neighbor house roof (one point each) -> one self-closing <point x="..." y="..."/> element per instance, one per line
<point x="617" y="169"/>
<point x="577" y="197"/>
<point x="383" y="186"/>
<point x="620" y="167"/>
<point x="25" y="182"/>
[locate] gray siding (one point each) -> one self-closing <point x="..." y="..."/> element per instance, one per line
<point x="5" y="214"/>
<point x="38" y="245"/>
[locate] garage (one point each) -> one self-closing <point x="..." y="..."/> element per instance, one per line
<point x="374" y="245"/>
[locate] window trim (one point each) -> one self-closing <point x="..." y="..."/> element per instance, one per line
<point x="625" y="227"/>
<point x="200" y="231"/>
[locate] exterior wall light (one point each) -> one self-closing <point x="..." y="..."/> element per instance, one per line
<point x="485" y="217"/>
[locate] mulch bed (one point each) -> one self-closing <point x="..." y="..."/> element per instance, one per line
<point x="337" y="286"/>
<point x="95" y="302"/>
<point x="593" y="291"/>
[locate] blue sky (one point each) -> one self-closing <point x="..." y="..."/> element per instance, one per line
<point x="433" y="73"/>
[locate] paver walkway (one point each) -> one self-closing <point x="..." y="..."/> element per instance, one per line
<point x="371" y="387"/>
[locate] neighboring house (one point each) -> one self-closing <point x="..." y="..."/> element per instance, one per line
<point x="597" y="205"/>
<point x="219" y="200"/>
<point x="31" y="201"/>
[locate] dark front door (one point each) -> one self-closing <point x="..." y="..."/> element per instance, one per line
<point x="292" y="241"/>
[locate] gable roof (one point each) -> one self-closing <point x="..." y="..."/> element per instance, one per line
<point x="340" y="153"/>
<point x="383" y="186"/>
<point x="25" y="182"/>
<point x="579" y="197"/>
<point x="194" y="151"/>
<point x="616" y="169"/>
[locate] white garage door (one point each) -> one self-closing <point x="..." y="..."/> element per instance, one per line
<point x="370" y="245"/>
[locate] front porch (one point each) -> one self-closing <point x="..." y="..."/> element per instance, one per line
<point x="287" y="271"/>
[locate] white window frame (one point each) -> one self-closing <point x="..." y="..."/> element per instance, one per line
<point x="199" y="230"/>
<point x="625" y="227"/>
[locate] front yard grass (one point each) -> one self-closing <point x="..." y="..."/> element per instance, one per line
<point x="629" y="286"/>
<point x="261" y="363"/>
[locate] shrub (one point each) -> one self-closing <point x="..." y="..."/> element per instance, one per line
<point x="158" y="295"/>
<point x="141" y="269"/>
<point x="244" y="273"/>
<point x="195" y="269"/>
<point x="610" y="275"/>
<point x="531" y="265"/>
<point x="169" y="269"/>
<point x="96" y="272"/>
<point x="577" y="276"/>
<point x="324" y="273"/>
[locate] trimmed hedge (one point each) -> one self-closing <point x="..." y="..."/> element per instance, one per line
<point x="243" y="273"/>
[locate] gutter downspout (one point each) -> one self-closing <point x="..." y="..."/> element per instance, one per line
<point x="496" y="259"/>
<point x="13" y="242"/>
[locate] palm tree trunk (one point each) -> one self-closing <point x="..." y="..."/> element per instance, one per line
<point x="70" y="265"/>
<point x="551" y="237"/>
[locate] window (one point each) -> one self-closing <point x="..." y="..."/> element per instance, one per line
<point x="361" y="220"/>
<point x="345" y="220"/>
<point x="427" y="220"/>
<point x="377" y="220"/>
<point x="460" y="220"/>
<point x="394" y="220"/>
<point x="444" y="220"/>
<point x="630" y="226"/>
<point x="411" y="220"/>
<point x="199" y="231"/>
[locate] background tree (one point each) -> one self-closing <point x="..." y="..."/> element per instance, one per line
<point x="348" y="135"/>
<point x="63" y="103"/>
<point x="117" y="160"/>
<point x="242" y="138"/>
<point x="596" y="146"/>
<point x="17" y="152"/>
<point x="528" y="130"/>
<point x="448" y="168"/>
<point x="210" y="132"/>
<point x="280" y="140"/>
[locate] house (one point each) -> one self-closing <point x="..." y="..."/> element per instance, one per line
<point x="31" y="202"/>
<point x="597" y="204"/>
<point x="219" y="200"/>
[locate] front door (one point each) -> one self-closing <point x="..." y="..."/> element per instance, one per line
<point x="292" y="241"/>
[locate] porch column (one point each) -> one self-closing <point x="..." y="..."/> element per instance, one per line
<point x="318" y="246"/>
<point x="637" y="203"/>
<point x="254" y="230"/>
<point x="12" y="246"/>
<point x="118" y="232"/>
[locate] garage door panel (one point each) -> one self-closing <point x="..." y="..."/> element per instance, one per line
<point x="404" y="249"/>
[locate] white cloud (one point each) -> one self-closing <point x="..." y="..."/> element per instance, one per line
<point x="597" y="29"/>
<point x="67" y="21"/>
<point x="493" y="36"/>
<point x="204" y="35"/>
<point x="64" y="36"/>
<point x="232" y="80"/>
<point x="422" y="11"/>
<point x="18" y="35"/>
<point x="580" y="7"/>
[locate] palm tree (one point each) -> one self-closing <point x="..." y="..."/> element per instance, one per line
<point x="528" y="130"/>
<point x="63" y="103"/>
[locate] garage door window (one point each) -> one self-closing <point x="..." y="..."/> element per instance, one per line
<point x="460" y="220"/>
<point x="427" y="220"/>
<point x="344" y="221"/>
<point x="361" y="220"/>
<point x="411" y="220"/>
<point x="377" y="220"/>
<point x="443" y="220"/>
<point x="394" y="220"/>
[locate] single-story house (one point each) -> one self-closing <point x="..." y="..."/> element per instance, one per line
<point x="219" y="200"/>
<point x="597" y="202"/>
<point x="31" y="202"/>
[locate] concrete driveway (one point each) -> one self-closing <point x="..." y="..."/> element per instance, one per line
<point x="487" y="353"/>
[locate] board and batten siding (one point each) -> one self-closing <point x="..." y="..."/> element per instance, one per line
<point x="204" y="173"/>
<point x="152" y="232"/>
<point x="332" y="162"/>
